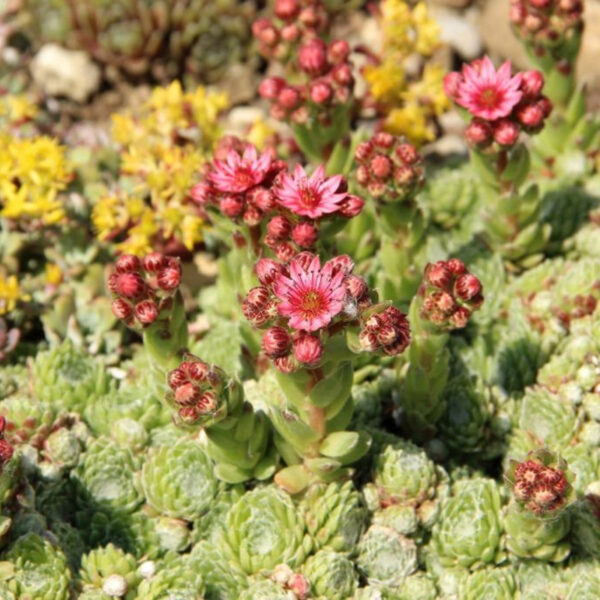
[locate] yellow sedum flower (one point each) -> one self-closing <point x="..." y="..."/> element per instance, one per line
<point x="386" y="80"/>
<point x="410" y="121"/>
<point x="429" y="90"/>
<point x="32" y="173"/>
<point x="10" y="293"/>
<point x="16" y="108"/>
<point x="260" y="134"/>
<point x="53" y="274"/>
<point x="427" y="31"/>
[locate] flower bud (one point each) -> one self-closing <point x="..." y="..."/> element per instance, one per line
<point x="264" y="31"/>
<point x="126" y="263"/>
<point x="267" y="270"/>
<point x="312" y="57"/>
<point x="439" y="274"/>
<point x="279" y="227"/>
<point x="342" y="75"/>
<point x="451" y="82"/>
<point x="286" y="364"/>
<point x="546" y="105"/>
<point x="154" y="262"/>
<point x="208" y="402"/>
<point x="6" y="452"/>
<point x="263" y="199"/>
<point x="530" y="115"/>
<point x="506" y="132"/>
<point x="460" y="317"/>
<point x="276" y="342"/>
<point x="287" y="10"/>
<point x="467" y="286"/>
<point x="169" y="279"/>
<point x="130" y="285"/>
<point x="284" y="251"/>
<point x="231" y="206"/>
<point x="368" y="341"/>
<point x="258" y="296"/>
<point x="383" y="140"/>
<point x="121" y="309"/>
<point x="356" y="286"/>
<point x="186" y="394"/>
<point x="363" y="151"/>
<point x="270" y="87"/>
<point x="290" y="33"/>
<point x="320" y="92"/>
<point x="351" y="206"/>
<point x="308" y="350"/>
<point x="305" y="235"/>
<point x="252" y="216"/>
<point x="381" y="166"/>
<point x="532" y="83"/>
<point x="338" y="51"/>
<point x="146" y="312"/>
<point x="299" y="585"/>
<point x="189" y="414"/>
<point x="479" y="132"/>
<point x="176" y="378"/>
<point x="456" y="266"/>
<point x="289" y="97"/>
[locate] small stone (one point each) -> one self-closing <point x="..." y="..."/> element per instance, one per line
<point x="459" y="32"/>
<point x="115" y="585"/>
<point x="69" y="73"/>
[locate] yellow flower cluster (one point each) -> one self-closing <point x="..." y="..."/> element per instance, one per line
<point x="16" y="108"/>
<point x="10" y="293"/>
<point x="410" y="104"/>
<point x="163" y="147"/>
<point x="32" y="173"/>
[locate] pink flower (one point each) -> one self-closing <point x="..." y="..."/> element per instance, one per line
<point x="238" y="173"/>
<point x="312" y="196"/>
<point x="310" y="296"/>
<point x="488" y="93"/>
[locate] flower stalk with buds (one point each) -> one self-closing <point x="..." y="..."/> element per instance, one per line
<point x="390" y="171"/>
<point x="448" y="296"/>
<point x="315" y="319"/>
<point x="536" y="519"/>
<point x="500" y="107"/>
<point x="147" y="299"/>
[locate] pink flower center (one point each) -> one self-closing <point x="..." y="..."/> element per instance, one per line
<point x="311" y="304"/>
<point x="244" y="177"/>
<point x="489" y="97"/>
<point x="309" y="198"/>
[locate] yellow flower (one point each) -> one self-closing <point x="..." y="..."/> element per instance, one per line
<point x="17" y="108"/>
<point x="396" y="25"/>
<point x="410" y="121"/>
<point x="53" y="274"/>
<point x="10" y="293"/>
<point x="426" y="29"/>
<point x="429" y="91"/>
<point x="386" y="80"/>
<point x="260" y="134"/>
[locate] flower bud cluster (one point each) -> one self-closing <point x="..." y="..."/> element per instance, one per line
<point x="6" y="450"/>
<point x="546" y="22"/>
<point x="501" y="105"/>
<point x="387" y="330"/>
<point x="143" y="288"/>
<point x="196" y="391"/>
<point x="388" y="167"/>
<point x="449" y="294"/>
<point x="326" y="81"/>
<point x="540" y="488"/>
<point x="296" y="583"/>
<point x="258" y="192"/>
<point x="301" y="304"/>
<point x="293" y="22"/>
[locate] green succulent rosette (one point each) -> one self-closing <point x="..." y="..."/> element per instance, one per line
<point x="495" y="584"/>
<point x="265" y="589"/>
<point x="178" y="481"/>
<point x="586" y="584"/>
<point x="538" y="579"/>
<point x="68" y="379"/>
<point x="175" y="577"/>
<point x="336" y="515"/>
<point x="208" y="524"/>
<point x="331" y="574"/>
<point x="458" y="538"/>
<point x="385" y="557"/>
<point x="418" y="586"/>
<point x="585" y="529"/>
<point x="37" y="570"/>
<point x="104" y="478"/>
<point x="111" y="570"/>
<point x="264" y="528"/>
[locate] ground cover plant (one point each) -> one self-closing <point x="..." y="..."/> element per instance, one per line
<point x="314" y="357"/>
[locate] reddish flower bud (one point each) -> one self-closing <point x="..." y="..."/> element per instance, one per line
<point x="386" y="335"/>
<point x="541" y="4"/>
<point x="532" y="83"/>
<point x="368" y="341"/>
<point x="121" y="309"/>
<point x="342" y="263"/>
<point x="342" y="75"/>
<point x="338" y="51"/>
<point x="264" y="31"/>
<point x="284" y="251"/>
<point x="289" y="97"/>
<point x="290" y="33"/>
<point x="312" y="57"/>
<point x="445" y="302"/>
<point x="186" y="394"/>
<point x="276" y="342"/>
<point x="439" y="274"/>
<point x="460" y="317"/>
<point x="546" y="105"/>
<point x="130" y="285"/>
<point x="154" y="262"/>
<point x="405" y="176"/>
<point x="356" y="286"/>
<point x="383" y="140"/>
<point x="169" y="279"/>
<point x="351" y="206"/>
<point x="381" y="166"/>
<point x="506" y="132"/>
<point x="479" y="133"/>
<point x="146" y="312"/>
<point x="299" y="585"/>
<point x="258" y="296"/>
<point x="126" y="263"/>
<point x="451" y="82"/>
<point x="456" y="266"/>
<point x="6" y="452"/>
<point x="286" y="364"/>
<point x="263" y="199"/>
<point x="467" y="286"/>
<point x="408" y="154"/>
<point x="188" y="414"/>
<point x="176" y="378"/>
<point x="363" y="175"/>
<point x="208" y="402"/>
<point x="252" y="216"/>
<point x="287" y="10"/>
<point x="231" y="206"/>
<point x="303" y="260"/>
<point x="530" y="115"/>
<point x="270" y="87"/>
<point x="198" y="370"/>
<point x="320" y="92"/>
<point x="305" y="235"/>
<point x="267" y="270"/>
<point x="363" y="151"/>
<point x="308" y="350"/>
<point x="279" y="227"/>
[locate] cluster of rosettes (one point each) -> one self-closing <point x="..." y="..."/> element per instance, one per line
<point x="302" y="304"/>
<point x="196" y="391"/>
<point x="389" y="168"/>
<point x="143" y="288"/>
<point x="387" y="330"/>
<point x="6" y="450"/>
<point x="502" y="105"/>
<point x="546" y="22"/>
<point x="328" y="82"/>
<point x="295" y="21"/>
<point x="539" y="487"/>
<point x="449" y="294"/>
<point x="255" y="190"/>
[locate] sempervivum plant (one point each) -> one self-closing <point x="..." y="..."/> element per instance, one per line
<point x="536" y="520"/>
<point x="331" y="575"/>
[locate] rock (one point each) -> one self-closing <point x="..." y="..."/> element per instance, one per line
<point x="590" y="48"/>
<point x="453" y="3"/>
<point x="69" y="73"/>
<point x="240" y="83"/>
<point x="459" y="31"/>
